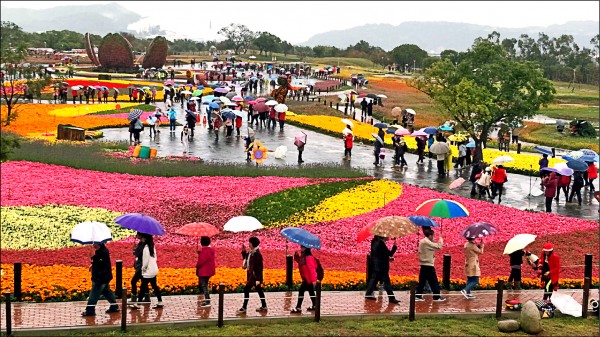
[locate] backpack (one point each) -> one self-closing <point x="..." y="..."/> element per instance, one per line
<point x="320" y="271"/>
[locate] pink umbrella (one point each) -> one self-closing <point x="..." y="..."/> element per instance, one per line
<point x="402" y="132"/>
<point x="261" y="99"/>
<point x="261" y="107"/>
<point x="237" y="99"/>
<point x="419" y="133"/>
<point x="300" y="139"/>
<point x="456" y="183"/>
<point x="252" y="102"/>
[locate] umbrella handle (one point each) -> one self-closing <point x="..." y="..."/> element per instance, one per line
<point x="286" y="247"/>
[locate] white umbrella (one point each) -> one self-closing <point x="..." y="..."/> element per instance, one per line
<point x="382" y="96"/>
<point x="90" y="232"/>
<point x="281" y="108"/>
<point x="411" y="111"/>
<point x="194" y="98"/>
<point x="439" y="148"/>
<point x="225" y="100"/>
<point x="535" y="191"/>
<point x="252" y="57"/>
<point x="346" y="131"/>
<point x="186" y="92"/>
<point x="271" y="103"/>
<point x="280" y="151"/>
<point x="348" y="122"/>
<point x="519" y="241"/>
<point x="242" y="224"/>
<point x="502" y="160"/>
<point x="566" y="304"/>
<point x="563" y="169"/>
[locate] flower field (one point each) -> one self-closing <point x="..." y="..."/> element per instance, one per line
<point x="41" y="202"/>
<point x="524" y="163"/>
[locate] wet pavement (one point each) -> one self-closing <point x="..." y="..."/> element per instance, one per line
<point x="187" y="308"/>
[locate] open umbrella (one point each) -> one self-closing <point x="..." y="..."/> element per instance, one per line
<point x="261" y="107"/>
<point x="347" y="122"/>
<point x="519" y="241"/>
<point x="502" y="160"/>
<point x="445" y="128"/>
<point x="225" y="100"/>
<point x="423" y="221"/>
<point x="573" y="155"/>
<point x="549" y="169"/>
<point x="402" y="132"/>
<point x="242" y="224"/>
<point x="380" y="125"/>
<point x="208" y="98"/>
<point x="382" y="96"/>
<point x="377" y="138"/>
<point x="393" y="227"/>
<point x="471" y="145"/>
<point x="577" y="165"/>
<point x="91" y="232"/>
<point x="271" y="103"/>
<point x="302" y="237"/>
<point x="365" y="232"/>
<point x="207" y="91"/>
<point x="456" y="183"/>
<point x="186" y="92"/>
<point x="589" y="155"/>
<point x="261" y="99"/>
<point x="300" y="139"/>
<point x="249" y="97"/>
<point x="280" y="151"/>
<point x="238" y="113"/>
<point x="396" y="111"/>
<point x="134" y="113"/>
<point x="197" y="93"/>
<point x="198" y="229"/>
<point x="251" y="102"/>
<point x="411" y="111"/>
<point x="479" y="230"/>
<point x="221" y="90"/>
<point x="543" y="149"/>
<point x="457" y="138"/>
<point x="442" y="208"/>
<point x="280" y="108"/>
<point x="141" y="223"/>
<point x="214" y="105"/>
<point x="237" y="99"/>
<point x="76" y="87"/>
<point x="563" y="169"/>
<point x="418" y="133"/>
<point x="430" y="130"/>
<point x="439" y="148"/>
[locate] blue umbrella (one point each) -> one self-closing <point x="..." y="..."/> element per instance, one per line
<point x="471" y="144"/>
<point x="214" y="105"/>
<point x="249" y="97"/>
<point x="141" y="223"/>
<point x="214" y="86"/>
<point x="200" y="87"/>
<point x="543" y="149"/>
<point x="430" y="130"/>
<point x="573" y="155"/>
<point x="589" y="155"/>
<point x="377" y="138"/>
<point x="445" y="128"/>
<point x="423" y="221"/>
<point x="380" y="125"/>
<point x="391" y="131"/>
<point x="577" y="165"/>
<point x="301" y="237"/>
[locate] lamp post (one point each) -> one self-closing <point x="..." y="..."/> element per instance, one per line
<point x="405" y="67"/>
<point x="414" y="65"/>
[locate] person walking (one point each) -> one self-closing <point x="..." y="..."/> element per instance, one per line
<point x="426" y="251"/>
<point x="151" y="124"/>
<point x="563" y="184"/>
<point x="205" y="268"/>
<point x="472" y="271"/>
<point x="462" y="154"/>
<point x="421" y="149"/>
<point x="550" y="183"/>
<point x="172" y="119"/>
<point x="430" y="142"/>
<point x="441" y="164"/>
<point x="484" y="182"/>
<point x="307" y="266"/>
<point x="370" y="112"/>
<point x="238" y="125"/>
<point x="185" y="140"/>
<point x="271" y="118"/>
<point x="592" y="173"/>
<point x="253" y="263"/>
<point x="377" y="151"/>
<point x="399" y="148"/>
<point x="576" y="188"/>
<point x="549" y="264"/>
<point x="149" y="271"/>
<point x="101" y="276"/>
<point x="516" y="261"/>
<point x="348" y="142"/>
<point x="138" y="249"/>
<point x="363" y="108"/>
<point x="138" y="126"/>
<point x="380" y="268"/>
<point x="475" y="174"/>
<point x="498" y="179"/>
<point x="543" y="163"/>
<point x="281" y="117"/>
<point x="115" y="95"/>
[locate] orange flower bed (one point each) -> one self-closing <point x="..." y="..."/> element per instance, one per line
<point x="60" y="282"/>
<point x="35" y="120"/>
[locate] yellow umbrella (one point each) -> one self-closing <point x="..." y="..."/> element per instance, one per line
<point x="457" y="138"/>
<point x="207" y="91"/>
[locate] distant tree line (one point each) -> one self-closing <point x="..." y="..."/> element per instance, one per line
<point x="560" y="57"/>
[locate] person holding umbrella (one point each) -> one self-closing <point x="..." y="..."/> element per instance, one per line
<point x="253" y="263"/>
<point x="377" y="149"/>
<point x="576" y="188"/>
<point x="421" y="149"/>
<point x="300" y="141"/>
<point x="476" y="170"/>
<point x="550" y="183"/>
<point x="516" y="261"/>
<point x="472" y="271"/>
<point x="592" y="173"/>
<point x="380" y="264"/>
<point x="149" y="271"/>
<point x="307" y="266"/>
<point x="138" y="250"/>
<point x="498" y="179"/>
<point x="400" y="149"/>
<point x="185" y="140"/>
<point x="101" y="276"/>
<point x="348" y="140"/>
<point x="549" y="264"/>
<point x="205" y="268"/>
<point x="427" y="248"/>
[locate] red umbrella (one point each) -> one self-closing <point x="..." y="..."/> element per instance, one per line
<point x="261" y="107"/>
<point x="365" y="232"/>
<point x="198" y="229"/>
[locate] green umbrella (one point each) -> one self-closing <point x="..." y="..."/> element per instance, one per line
<point x="197" y="93"/>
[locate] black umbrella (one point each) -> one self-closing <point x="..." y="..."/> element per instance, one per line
<point x="373" y="96"/>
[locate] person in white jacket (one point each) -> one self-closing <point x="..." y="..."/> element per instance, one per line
<point x="149" y="270"/>
<point x="484" y="182"/>
<point x="427" y="248"/>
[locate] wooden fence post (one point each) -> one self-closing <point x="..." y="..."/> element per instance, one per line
<point x="499" y="297"/>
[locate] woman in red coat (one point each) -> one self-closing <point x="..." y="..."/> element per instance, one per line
<point x="592" y="173"/>
<point x="348" y="139"/>
<point x="551" y="185"/>
<point x="549" y="264"/>
<point x="205" y="267"/>
<point x="307" y="265"/>
<point x="498" y="179"/>
<point x="238" y="125"/>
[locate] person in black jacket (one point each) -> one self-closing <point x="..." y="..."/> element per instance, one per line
<point x="101" y="276"/>
<point x="380" y="268"/>
<point x="137" y="265"/>
<point x="477" y="169"/>
<point x="516" y="260"/>
<point x="577" y="185"/>
<point x="253" y="263"/>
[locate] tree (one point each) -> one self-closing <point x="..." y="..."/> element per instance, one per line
<point x="409" y="54"/>
<point x="7" y="144"/>
<point x="11" y="35"/>
<point x="267" y="42"/>
<point x="239" y="36"/>
<point x="486" y="87"/>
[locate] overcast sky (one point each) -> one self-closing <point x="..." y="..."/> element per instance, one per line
<point x="297" y="21"/>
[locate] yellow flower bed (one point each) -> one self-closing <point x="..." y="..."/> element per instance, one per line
<point x="83" y="109"/>
<point x="355" y="201"/>
<point x="362" y="131"/>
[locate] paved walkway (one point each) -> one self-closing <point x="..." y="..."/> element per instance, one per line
<point x="187" y="307"/>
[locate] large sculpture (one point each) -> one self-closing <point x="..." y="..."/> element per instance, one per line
<point x="280" y="93"/>
<point x="115" y="52"/>
<point x="156" y="56"/>
<point x="89" y="49"/>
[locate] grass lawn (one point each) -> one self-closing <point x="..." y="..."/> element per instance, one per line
<point x="547" y="135"/>
<point x="570" y="112"/>
<point x="439" y="326"/>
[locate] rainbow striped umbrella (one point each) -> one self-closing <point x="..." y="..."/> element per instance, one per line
<point x="442" y="208"/>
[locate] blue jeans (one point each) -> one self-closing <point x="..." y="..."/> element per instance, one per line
<point x="472" y="281"/>
<point x="97" y="290"/>
<point x="172" y="124"/>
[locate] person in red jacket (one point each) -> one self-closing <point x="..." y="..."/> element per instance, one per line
<point x="498" y="179"/>
<point x="271" y="118"/>
<point x="205" y="268"/>
<point x="99" y="95"/>
<point x="281" y="117"/>
<point x="563" y="184"/>
<point x="348" y="140"/>
<point x="238" y="125"/>
<point x="307" y="265"/>
<point x="74" y="94"/>
<point x="592" y="173"/>
<point x="551" y="184"/>
<point x="549" y="264"/>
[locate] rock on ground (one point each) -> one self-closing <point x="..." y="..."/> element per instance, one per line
<point x="509" y="325"/>
<point x="531" y="321"/>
